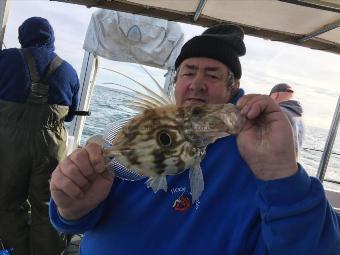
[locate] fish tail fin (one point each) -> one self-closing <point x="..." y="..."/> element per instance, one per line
<point x="196" y="182"/>
<point x="157" y="183"/>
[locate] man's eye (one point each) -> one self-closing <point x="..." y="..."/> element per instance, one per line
<point x="188" y="74"/>
<point x="212" y="76"/>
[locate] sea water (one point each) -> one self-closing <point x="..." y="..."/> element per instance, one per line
<point x="106" y="107"/>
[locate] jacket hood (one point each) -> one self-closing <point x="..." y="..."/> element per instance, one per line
<point x="292" y="105"/>
<point x="239" y="94"/>
<point x="36" y="32"/>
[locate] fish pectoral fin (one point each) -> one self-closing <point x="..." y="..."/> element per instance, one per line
<point x="196" y="181"/>
<point x="157" y="183"/>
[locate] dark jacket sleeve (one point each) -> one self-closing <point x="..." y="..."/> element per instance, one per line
<point x="74" y="91"/>
<point x="75" y="100"/>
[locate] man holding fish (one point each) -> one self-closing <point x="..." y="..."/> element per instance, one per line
<point x="256" y="200"/>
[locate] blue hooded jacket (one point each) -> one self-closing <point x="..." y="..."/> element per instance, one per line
<point x="236" y="214"/>
<point x="37" y="35"/>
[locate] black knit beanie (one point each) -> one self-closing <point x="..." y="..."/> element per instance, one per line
<point x="221" y="42"/>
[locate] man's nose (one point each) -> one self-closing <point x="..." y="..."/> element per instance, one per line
<point x="198" y="83"/>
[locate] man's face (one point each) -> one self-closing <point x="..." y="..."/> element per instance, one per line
<point x="202" y="80"/>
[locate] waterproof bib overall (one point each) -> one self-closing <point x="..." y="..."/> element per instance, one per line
<point x="32" y="142"/>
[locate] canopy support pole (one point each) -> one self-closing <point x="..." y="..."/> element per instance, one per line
<point x="4" y="10"/>
<point x="320" y="31"/>
<point x="329" y="143"/>
<point x="199" y="10"/>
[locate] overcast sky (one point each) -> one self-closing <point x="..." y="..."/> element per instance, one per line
<point x="314" y="75"/>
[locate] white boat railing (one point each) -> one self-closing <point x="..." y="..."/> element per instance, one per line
<point x="86" y="79"/>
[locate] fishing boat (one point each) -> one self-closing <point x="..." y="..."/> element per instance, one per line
<point x="307" y="23"/>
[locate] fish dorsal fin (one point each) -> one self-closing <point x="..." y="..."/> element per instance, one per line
<point x="137" y="95"/>
<point x="137" y="98"/>
<point x="159" y="99"/>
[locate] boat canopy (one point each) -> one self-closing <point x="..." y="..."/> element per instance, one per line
<point x="133" y="38"/>
<point x="309" y="23"/>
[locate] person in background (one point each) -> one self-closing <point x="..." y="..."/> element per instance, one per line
<point x="283" y="94"/>
<point x="257" y="199"/>
<point x="38" y="92"/>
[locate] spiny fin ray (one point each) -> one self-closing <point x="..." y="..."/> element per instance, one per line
<point x="166" y="99"/>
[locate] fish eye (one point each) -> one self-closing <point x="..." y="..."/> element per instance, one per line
<point x="164" y="139"/>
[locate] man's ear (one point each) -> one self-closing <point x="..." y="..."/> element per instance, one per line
<point x="176" y="74"/>
<point x="235" y="87"/>
<point x="275" y="95"/>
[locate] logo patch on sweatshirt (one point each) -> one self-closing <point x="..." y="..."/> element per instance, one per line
<point x="182" y="200"/>
<point x="182" y="204"/>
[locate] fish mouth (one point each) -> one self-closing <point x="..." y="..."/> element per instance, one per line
<point x="218" y="121"/>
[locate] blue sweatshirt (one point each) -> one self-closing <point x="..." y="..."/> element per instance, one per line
<point x="236" y="214"/>
<point x="37" y="35"/>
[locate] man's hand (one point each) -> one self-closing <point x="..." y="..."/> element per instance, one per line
<point x="80" y="182"/>
<point x="266" y="141"/>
